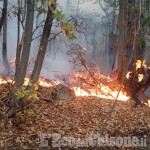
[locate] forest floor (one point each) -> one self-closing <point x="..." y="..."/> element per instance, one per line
<point x="76" y="118"/>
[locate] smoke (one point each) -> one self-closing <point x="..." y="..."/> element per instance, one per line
<point x="58" y="65"/>
<point x="57" y="61"/>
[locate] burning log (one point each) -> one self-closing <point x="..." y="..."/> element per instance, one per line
<point x="137" y="82"/>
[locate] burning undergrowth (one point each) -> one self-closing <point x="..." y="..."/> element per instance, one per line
<point x="84" y="81"/>
<point x="88" y="81"/>
<point x="91" y="94"/>
<point x="79" y="84"/>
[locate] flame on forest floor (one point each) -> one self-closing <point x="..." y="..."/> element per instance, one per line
<point x="84" y="83"/>
<point x="96" y="90"/>
<point x="41" y="82"/>
<point x="109" y="93"/>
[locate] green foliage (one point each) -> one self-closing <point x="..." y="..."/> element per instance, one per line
<point x="41" y="9"/>
<point x="28" y="94"/>
<point x="22" y="92"/>
<point x="59" y="15"/>
<point x="67" y="26"/>
<point x="68" y="30"/>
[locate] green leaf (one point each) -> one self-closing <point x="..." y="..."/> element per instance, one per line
<point x="68" y="30"/>
<point x="41" y="10"/>
<point x="27" y="92"/>
<point x="34" y="97"/>
<point x="59" y="15"/>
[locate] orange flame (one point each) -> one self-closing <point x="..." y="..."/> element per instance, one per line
<point x="84" y="85"/>
<point x="112" y="94"/>
<point x="140" y="64"/>
<point x="41" y="82"/>
<point x="78" y="90"/>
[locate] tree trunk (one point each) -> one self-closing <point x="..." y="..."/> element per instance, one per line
<point x="21" y="72"/>
<point x="77" y="9"/>
<point x="43" y="45"/>
<point x="4" y="12"/>
<point x="4" y="49"/>
<point x="141" y="46"/>
<point x="19" y="45"/>
<point x="121" y="39"/>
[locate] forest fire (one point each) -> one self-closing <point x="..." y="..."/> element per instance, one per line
<point x="140" y="76"/>
<point x="84" y="84"/>
<point x="42" y="82"/>
<point x="87" y="89"/>
<point x="139" y="64"/>
<point x="109" y="93"/>
<point x="89" y="83"/>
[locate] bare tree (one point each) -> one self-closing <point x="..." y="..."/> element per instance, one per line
<point x="24" y="58"/>
<point x="19" y="44"/>
<point x="121" y="42"/>
<point x="4" y="13"/>
<point x="4" y="49"/>
<point x="44" y="42"/>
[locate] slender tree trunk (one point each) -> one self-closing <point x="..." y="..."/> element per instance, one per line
<point x="21" y="72"/>
<point x="19" y="45"/>
<point x="4" y="49"/>
<point x="141" y="33"/>
<point x="123" y="38"/>
<point x="77" y="9"/>
<point x="43" y="45"/>
<point x="4" y="12"/>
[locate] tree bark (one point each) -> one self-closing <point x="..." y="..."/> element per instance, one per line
<point x="121" y="41"/>
<point x="4" y="13"/>
<point x="43" y="45"/>
<point x="21" y="72"/>
<point x="19" y="45"/>
<point x="4" y="49"/>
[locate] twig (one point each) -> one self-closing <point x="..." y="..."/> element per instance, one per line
<point x="105" y="122"/>
<point x="88" y="70"/>
<point x="36" y="37"/>
<point x="55" y="35"/>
